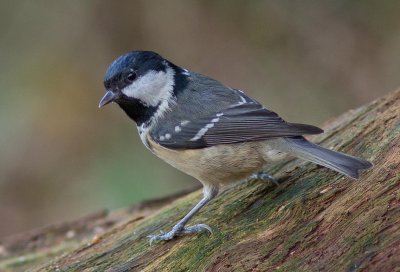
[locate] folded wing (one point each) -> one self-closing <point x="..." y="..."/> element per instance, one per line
<point x="242" y="122"/>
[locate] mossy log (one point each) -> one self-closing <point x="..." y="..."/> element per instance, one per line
<point x="315" y="220"/>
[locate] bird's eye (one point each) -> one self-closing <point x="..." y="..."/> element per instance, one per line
<point x="131" y="76"/>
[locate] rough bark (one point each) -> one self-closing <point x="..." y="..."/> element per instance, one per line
<point x="315" y="220"/>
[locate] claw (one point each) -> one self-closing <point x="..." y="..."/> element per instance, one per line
<point x="264" y="176"/>
<point x="165" y="236"/>
<point x="197" y="228"/>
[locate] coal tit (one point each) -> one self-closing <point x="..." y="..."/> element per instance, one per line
<point x="212" y="132"/>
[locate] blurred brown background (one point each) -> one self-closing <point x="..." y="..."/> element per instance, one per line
<point x="61" y="157"/>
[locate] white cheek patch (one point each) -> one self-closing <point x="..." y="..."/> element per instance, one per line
<point x="152" y="88"/>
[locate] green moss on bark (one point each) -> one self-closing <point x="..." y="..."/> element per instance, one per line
<point x="314" y="220"/>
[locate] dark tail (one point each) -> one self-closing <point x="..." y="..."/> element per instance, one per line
<point x="340" y="162"/>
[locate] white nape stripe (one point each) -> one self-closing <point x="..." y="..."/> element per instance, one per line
<point x="202" y="131"/>
<point x="215" y="120"/>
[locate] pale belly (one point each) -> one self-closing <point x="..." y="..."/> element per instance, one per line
<point x="220" y="164"/>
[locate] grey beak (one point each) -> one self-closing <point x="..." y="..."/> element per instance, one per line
<point x="107" y="98"/>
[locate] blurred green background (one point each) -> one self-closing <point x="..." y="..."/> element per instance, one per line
<point x="61" y="157"/>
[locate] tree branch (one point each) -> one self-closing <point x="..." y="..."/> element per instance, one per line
<point x="314" y="220"/>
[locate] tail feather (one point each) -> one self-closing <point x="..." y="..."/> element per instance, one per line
<point x="340" y="162"/>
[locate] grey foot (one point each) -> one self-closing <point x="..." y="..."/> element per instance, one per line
<point x="165" y="236"/>
<point x="264" y="177"/>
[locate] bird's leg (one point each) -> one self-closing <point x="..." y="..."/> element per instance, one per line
<point x="264" y="176"/>
<point x="209" y="192"/>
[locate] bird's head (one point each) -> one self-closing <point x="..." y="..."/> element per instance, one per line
<point x="139" y="82"/>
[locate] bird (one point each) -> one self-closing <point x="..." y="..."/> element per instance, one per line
<point x="212" y="132"/>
